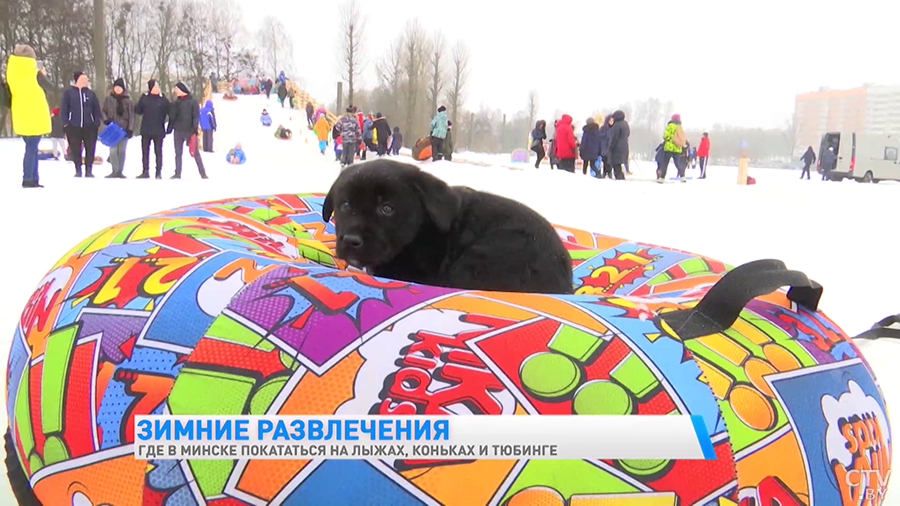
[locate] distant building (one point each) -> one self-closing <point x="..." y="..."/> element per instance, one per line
<point x="869" y="108"/>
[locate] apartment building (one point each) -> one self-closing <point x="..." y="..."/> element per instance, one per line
<point x="869" y="108"/>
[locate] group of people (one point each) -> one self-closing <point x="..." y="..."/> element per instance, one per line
<point x="604" y="148"/>
<point x="826" y="164"/>
<point x="675" y="147"/>
<point x="441" y="133"/>
<point x="81" y="116"/>
<point x="355" y="134"/>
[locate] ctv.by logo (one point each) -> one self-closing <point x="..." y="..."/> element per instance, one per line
<point x="874" y="487"/>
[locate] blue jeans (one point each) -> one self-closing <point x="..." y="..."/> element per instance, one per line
<point x="30" y="163"/>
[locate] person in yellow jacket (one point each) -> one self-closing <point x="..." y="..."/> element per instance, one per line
<point x="674" y="141"/>
<point x="30" y="112"/>
<point x="321" y="128"/>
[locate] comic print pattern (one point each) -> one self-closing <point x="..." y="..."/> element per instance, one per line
<point x="245" y="298"/>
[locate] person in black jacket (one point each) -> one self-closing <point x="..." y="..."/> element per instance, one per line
<point x="538" y="135"/>
<point x="808" y="158"/>
<point x="604" y="147"/>
<point x="383" y="132"/>
<point x="80" y="112"/>
<point x="619" y="133"/>
<point x="184" y="118"/>
<point x="154" y="107"/>
<point x="590" y="146"/>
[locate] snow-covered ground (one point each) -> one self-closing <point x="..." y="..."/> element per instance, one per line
<point x="837" y="233"/>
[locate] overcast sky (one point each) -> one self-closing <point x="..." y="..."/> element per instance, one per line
<point x="733" y="62"/>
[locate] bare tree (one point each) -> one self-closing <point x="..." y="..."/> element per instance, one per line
<point x="414" y="60"/>
<point x="276" y="45"/>
<point x="129" y="36"/>
<point x="459" y="75"/>
<point x="531" y="107"/>
<point x="350" y="43"/>
<point x="436" y="69"/>
<point x="193" y="33"/>
<point x="224" y="28"/>
<point x="390" y="78"/>
<point x="99" y="43"/>
<point x="791" y="133"/>
<point x="165" y="27"/>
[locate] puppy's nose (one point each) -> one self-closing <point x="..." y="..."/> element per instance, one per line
<point x="353" y="240"/>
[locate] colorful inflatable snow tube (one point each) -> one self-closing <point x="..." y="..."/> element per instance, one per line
<point x="243" y="298"/>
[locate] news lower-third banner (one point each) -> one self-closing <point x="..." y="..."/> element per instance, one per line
<point x="422" y="437"/>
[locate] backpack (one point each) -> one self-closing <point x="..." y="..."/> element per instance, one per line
<point x="679" y="139"/>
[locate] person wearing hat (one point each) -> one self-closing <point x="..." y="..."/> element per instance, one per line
<point x="184" y="119"/>
<point x="30" y="112"/>
<point x="154" y="109"/>
<point x="674" y="140"/>
<point x="119" y="109"/>
<point x="350" y="134"/>
<point x="827" y="163"/>
<point x="438" y="132"/>
<point x="382" y="133"/>
<point x="81" y="115"/>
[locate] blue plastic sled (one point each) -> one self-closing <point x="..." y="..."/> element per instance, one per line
<point x="111" y="135"/>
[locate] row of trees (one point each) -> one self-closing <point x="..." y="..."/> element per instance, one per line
<point x="416" y="74"/>
<point x="420" y="71"/>
<point x="167" y="40"/>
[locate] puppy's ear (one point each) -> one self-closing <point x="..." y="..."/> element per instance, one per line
<point x="328" y="206"/>
<point x="440" y="201"/>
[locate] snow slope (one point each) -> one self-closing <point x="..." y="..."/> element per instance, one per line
<point x="834" y="232"/>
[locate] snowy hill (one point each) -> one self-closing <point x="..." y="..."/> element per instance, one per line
<point x="834" y="232"/>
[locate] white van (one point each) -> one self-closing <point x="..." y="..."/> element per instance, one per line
<point x="866" y="158"/>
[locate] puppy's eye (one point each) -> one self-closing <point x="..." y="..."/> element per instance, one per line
<point x="387" y="209"/>
<point x="345" y="207"/>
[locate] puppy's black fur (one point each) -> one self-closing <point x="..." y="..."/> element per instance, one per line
<point x="401" y="223"/>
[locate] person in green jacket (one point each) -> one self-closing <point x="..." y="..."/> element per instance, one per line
<point x="674" y="140"/>
<point x="438" y="133"/>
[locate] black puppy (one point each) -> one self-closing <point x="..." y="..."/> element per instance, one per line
<point x="401" y="223"/>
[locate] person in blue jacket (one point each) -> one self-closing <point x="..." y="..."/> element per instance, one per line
<point x="81" y="116"/>
<point x="208" y="125"/>
<point x="236" y="156"/>
<point x="265" y="119"/>
<point x="396" y="141"/>
<point x="590" y="146"/>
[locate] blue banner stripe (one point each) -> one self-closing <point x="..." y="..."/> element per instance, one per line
<point x="703" y="437"/>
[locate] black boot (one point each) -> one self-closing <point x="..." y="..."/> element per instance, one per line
<point x="88" y="171"/>
<point x="158" y="173"/>
<point x="77" y="171"/>
<point x="31" y="184"/>
<point x="144" y="175"/>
